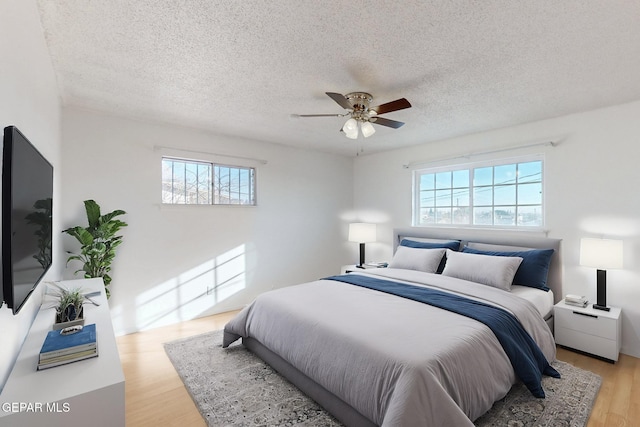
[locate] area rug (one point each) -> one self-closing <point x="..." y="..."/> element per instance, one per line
<point x="232" y="387"/>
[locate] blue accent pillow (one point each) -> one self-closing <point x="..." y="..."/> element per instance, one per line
<point x="454" y="245"/>
<point x="533" y="270"/>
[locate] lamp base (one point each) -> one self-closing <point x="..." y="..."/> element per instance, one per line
<point x="601" y="283"/>
<point x="361" y="256"/>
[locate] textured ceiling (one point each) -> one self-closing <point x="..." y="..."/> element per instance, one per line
<point x="243" y="67"/>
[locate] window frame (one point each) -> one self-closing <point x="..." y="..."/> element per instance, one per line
<point x="213" y="197"/>
<point x="470" y="167"/>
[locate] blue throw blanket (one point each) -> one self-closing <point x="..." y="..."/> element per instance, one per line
<point x="528" y="361"/>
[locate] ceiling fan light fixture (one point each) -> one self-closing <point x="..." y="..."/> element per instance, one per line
<point x="361" y="114"/>
<point x="367" y="129"/>
<point x="350" y="129"/>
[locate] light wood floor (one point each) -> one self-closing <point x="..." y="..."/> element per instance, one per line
<point x="156" y="396"/>
<point x="154" y="393"/>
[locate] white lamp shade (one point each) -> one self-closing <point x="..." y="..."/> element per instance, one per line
<point x="350" y="129"/>
<point x="362" y="232"/>
<point x="367" y="129"/>
<point x="603" y="254"/>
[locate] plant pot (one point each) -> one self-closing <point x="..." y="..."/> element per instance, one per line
<point x="61" y="325"/>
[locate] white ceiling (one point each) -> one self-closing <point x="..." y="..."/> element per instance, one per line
<point x="243" y="67"/>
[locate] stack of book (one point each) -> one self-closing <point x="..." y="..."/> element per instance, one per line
<point x="60" y="348"/>
<point x="577" y="300"/>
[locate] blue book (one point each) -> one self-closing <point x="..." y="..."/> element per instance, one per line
<point x="58" y="343"/>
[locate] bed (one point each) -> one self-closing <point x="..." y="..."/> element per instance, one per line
<point x="372" y="358"/>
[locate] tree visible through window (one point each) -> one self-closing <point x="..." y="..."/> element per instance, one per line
<point x="508" y="195"/>
<point x="196" y="183"/>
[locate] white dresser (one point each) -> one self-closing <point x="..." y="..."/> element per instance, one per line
<point x="592" y="331"/>
<point x="85" y="393"/>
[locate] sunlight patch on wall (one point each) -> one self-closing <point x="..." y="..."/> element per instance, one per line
<point x="229" y="274"/>
<point x="194" y="291"/>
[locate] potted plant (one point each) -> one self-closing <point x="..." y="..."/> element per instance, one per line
<point x="69" y="307"/>
<point x="98" y="242"/>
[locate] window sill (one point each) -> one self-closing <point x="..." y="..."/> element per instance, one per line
<point x="169" y="206"/>
<point x="503" y="229"/>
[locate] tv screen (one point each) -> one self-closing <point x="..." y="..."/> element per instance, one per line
<point x="27" y="193"/>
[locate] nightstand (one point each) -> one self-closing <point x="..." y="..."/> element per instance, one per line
<point x="592" y="331"/>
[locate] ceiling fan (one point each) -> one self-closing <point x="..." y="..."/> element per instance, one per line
<point x="360" y="112"/>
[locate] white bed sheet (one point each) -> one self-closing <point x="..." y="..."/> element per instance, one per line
<point x="542" y="300"/>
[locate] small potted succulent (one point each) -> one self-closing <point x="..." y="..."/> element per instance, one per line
<point x="69" y="307"/>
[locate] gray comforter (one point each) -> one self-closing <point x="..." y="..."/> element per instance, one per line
<point x="398" y="362"/>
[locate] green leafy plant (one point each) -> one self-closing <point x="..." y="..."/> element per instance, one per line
<point x="98" y="242"/>
<point x="68" y="304"/>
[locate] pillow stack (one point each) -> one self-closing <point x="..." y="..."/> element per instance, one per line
<point x="534" y="269"/>
<point x="500" y="268"/>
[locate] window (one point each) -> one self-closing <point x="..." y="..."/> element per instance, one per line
<point x="189" y="182"/>
<point x="491" y="195"/>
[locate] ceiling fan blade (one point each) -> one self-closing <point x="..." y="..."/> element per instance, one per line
<point x="386" y="122"/>
<point x="398" y="104"/>
<point x="341" y="100"/>
<point x="295" y="116"/>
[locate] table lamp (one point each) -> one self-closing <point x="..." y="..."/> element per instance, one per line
<point x="361" y="232"/>
<point x="603" y="254"/>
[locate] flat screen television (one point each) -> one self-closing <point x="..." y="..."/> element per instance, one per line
<point x="27" y="195"/>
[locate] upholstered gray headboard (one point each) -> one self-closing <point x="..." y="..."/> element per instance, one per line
<point x="517" y="239"/>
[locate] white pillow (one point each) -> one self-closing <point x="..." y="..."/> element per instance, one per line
<point x="420" y="259"/>
<point x="496" y="271"/>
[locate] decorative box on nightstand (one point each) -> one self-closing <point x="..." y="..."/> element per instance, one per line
<point x="592" y="331"/>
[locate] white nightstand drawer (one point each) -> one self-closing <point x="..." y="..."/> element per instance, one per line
<point x="587" y="329"/>
<point x="588" y="343"/>
<point x="588" y="323"/>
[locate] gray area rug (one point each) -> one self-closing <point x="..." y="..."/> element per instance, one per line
<point x="232" y="387"/>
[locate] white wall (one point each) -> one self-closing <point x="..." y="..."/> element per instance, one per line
<point x="171" y="254"/>
<point x="592" y="179"/>
<point x="29" y="100"/>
